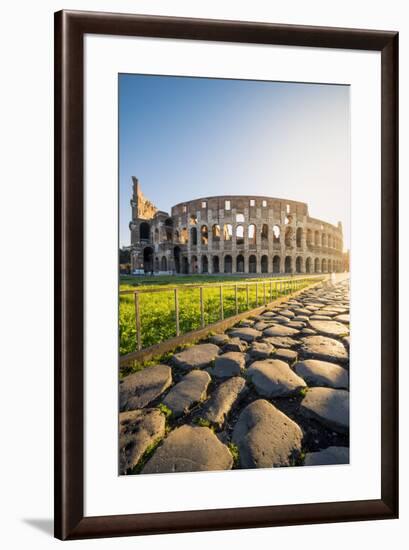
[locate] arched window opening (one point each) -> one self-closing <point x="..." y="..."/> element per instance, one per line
<point x="183" y="236"/>
<point x="228" y="264"/>
<point x="193" y="236"/>
<point x="228" y="232"/>
<point x="205" y="264"/>
<point x="204" y="234"/>
<point x="276" y="264"/>
<point x="288" y="264"/>
<point x="216" y="265"/>
<point x="252" y="234"/>
<point x="144" y="231"/>
<point x="264" y="264"/>
<point x="308" y="265"/>
<point x="240" y="264"/>
<point x="289" y="237"/>
<point x="163" y="264"/>
<point x="264" y="232"/>
<point x="240" y="235"/>
<point x="239" y="218"/>
<point x="276" y="234"/>
<point x="252" y="264"/>
<point x="299" y="237"/>
<point x="298" y="264"/>
<point x="216" y="233"/>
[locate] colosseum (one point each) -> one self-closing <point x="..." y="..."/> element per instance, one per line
<point x="232" y="234"/>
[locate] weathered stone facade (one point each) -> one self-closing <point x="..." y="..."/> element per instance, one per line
<point x="232" y="234"/>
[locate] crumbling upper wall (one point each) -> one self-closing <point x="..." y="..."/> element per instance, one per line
<point x="142" y="208"/>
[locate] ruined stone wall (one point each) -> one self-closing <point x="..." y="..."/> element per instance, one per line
<point x="241" y="234"/>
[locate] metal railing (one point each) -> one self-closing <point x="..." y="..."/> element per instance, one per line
<point x="266" y="291"/>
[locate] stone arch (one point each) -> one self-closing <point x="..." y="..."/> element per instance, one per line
<point x="252" y="234"/>
<point x="185" y="265"/>
<point x="264" y="264"/>
<point x="240" y="235"/>
<point x="298" y="264"/>
<point x="148" y="259"/>
<point x="228" y="264"/>
<point x="324" y="265"/>
<point x="276" y="264"/>
<point x="317" y="238"/>
<point x="204" y="234"/>
<point x="252" y="264"/>
<point x="288" y="237"/>
<point x="194" y="264"/>
<point x="183" y="235"/>
<point x="176" y="258"/>
<point x="264" y="232"/>
<point x="330" y="241"/>
<point x="205" y="264"/>
<point x="308" y="265"/>
<point x="156" y="264"/>
<point x="169" y="229"/>
<point x="216" y="233"/>
<point x="330" y="265"/>
<point x="216" y="264"/>
<point x="164" y="264"/>
<point x="193" y="236"/>
<point x="316" y="265"/>
<point x="144" y="231"/>
<point x="276" y="233"/>
<point x="288" y="265"/>
<point x="240" y="263"/>
<point x="227" y="232"/>
<point x="309" y="237"/>
<point x="324" y="240"/>
<point x="298" y="237"/>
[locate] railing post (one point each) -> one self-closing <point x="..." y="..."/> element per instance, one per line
<point x="247" y="295"/>
<point x="236" y="299"/>
<point x="221" y="303"/>
<point x="177" y="311"/>
<point x="201" y="308"/>
<point x="137" y="322"/>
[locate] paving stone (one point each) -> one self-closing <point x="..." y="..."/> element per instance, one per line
<point x="280" y="319"/>
<point x="320" y="318"/>
<point x="280" y="330"/>
<point x="302" y="318"/>
<point x="260" y="350"/>
<point x="285" y="354"/>
<point x="219" y="339"/>
<point x="343" y="318"/>
<point x="186" y="393"/>
<point x="322" y="373"/>
<point x="274" y="378"/>
<point x="217" y="408"/>
<point x="235" y="344"/>
<point x="282" y="341"/>
<point x="190" y="449"/>
<point x="287" y="313"/>
<point x="296" y="324"/>
<point x="247" y="323"/>
<point x="229" y="364"/>
<point x="265" y="436"/>
<point x="246" y="334"/>
<point x="321" y="347"/>
<point x="140" y="388"/>
<point x="330" y="328"/>
<point x="138" y="430"/>
<point x="261" y="325"/>
<point x="328" y="406"/>
<point x="328" y="456"/>
<point x="268" y="314"/>
<point x="308" y="331"/>
<point x="302" y="311"/>
<point x="196" y="357"/>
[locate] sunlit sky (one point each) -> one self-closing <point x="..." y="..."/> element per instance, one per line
<point x="185" y="138"/>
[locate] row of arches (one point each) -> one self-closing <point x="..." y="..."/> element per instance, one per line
<point x="240" y="263"/>
<point x="240" y="231"/>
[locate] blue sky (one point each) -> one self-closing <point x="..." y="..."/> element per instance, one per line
<point x="184" y="138"/>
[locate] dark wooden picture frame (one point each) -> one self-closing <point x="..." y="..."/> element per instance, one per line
<point x="70" y="28"/>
